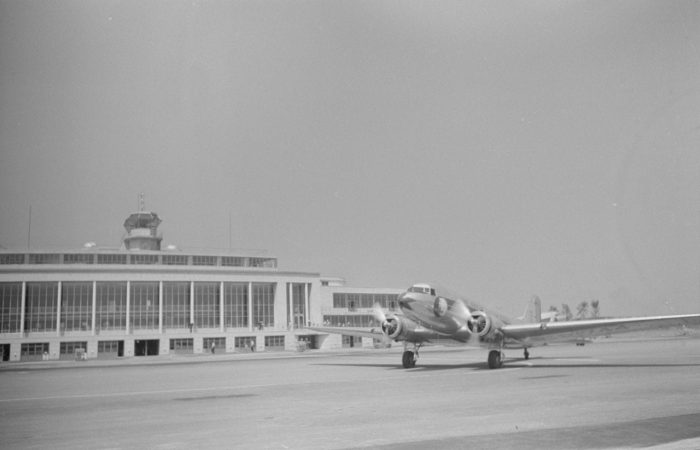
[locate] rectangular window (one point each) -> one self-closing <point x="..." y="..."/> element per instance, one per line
<point x="108" y="347"/>
<point x="219" y="344"/>
<point x="69" y="348"/>
<point x="111" y="259"/>
<point x="176" y="305"/>
<point x="10" y="307"/>
<point x="76" y="306"/>
<point x="78" y="258"/>
<point x="263" y="304"/>
<point x="111" y="306"/>
<point x="206" y="305"/>
<point x="144" y="259"/>
<point x="299" y="304"/>
<point x="232" y="261"/>
<point x="245" y="343"/>
<point x="143" y="308"/>
<point x="34" y="349"/>
<point x="274" y="343"/>
<point x="199" y="260"/>
<point x="40" y="308"/>
<point x="258" y="262"/>
<point x="175" y="260"/>
<point x="185" y="345"/>
<point x="44" y="258"/>
<point x="339" y="300"/>
<point x="12" y="258"/>
<point x="236" y="305"/>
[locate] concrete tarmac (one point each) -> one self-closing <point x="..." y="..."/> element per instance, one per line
<point x="614" y="394"/>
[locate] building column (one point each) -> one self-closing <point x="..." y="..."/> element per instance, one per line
<point x="290" y="305"/>
<point x="250" y="306"/>
<point x="23" y="307"/>
<point x="221" y="307"/>
<point x="94" y="307"/>
<point x="160" y="307"/>
<point x="191" y="306"/>
<point x="128" y="308"/>
<point x="58" y="308"/>
<point x="306" y="304"/>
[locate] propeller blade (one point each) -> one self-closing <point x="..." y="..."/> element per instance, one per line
<point x="378" y="313"/>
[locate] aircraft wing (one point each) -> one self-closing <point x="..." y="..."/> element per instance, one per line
<point x="350" y="331"/>
<point x="590" y="328"/>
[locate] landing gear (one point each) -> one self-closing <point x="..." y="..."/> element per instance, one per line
<point x="495" y="359"/>
<point x="526" y="354"/>
<point x="410" y="357"/>
<point x="408" y="360"/>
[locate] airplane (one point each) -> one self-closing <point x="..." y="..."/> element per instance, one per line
<point x="431" y="314"/>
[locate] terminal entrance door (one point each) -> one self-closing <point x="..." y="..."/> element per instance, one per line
<point x="146" y="347"/>
<point x="5" y="351"/>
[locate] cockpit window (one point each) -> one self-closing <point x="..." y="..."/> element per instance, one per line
<point x="422" y="289"/>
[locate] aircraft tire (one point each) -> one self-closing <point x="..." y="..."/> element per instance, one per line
<point x="408" y="360"/>
<point x="495" y="360"/>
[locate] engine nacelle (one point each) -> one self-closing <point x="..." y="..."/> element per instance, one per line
<point x="481" y="324"/>
<point x="399" y="328"/>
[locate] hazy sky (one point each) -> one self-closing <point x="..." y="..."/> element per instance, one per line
<point x="503" y="149"/>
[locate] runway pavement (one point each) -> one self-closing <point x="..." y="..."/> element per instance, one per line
<point x="604" y="395"/>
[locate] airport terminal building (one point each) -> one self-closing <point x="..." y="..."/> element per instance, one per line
<point x="141" y="300"/>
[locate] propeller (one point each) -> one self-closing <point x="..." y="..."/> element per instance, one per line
<point x="385" y="326"/>
<point x="378" y="313"/>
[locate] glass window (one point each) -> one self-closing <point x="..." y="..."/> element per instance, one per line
<point x="78" y="258"/>
<point x="299" y="304"/>
<point x="339" y="300"/>
<point x="34" y="348"/>
<point x="69" y="348"/>
<point x="111" y="259"/>
<point x="244" y="343"/>
<point x="236" y="305"/>
<point x="144" y="259"/>
<point x="10" y="307"/>
<point x="176" y="304"/>
<point x="40" y="308"/>
<point x="199" y="260"/>
<point x="111" y="306"/>
<point x="185" y="345"/>
<point x="76" y="306"/>
<point x="143" y="307"/>
<point x="44" y="258"/>
<point x="219" y="344"/>
<point x="175" y="260"/>
<point x="233" y="261"/>
<point x="12" y="258"/>
<point x="263" y="304"/>
<point x="274" y="342"/>
<point x="206" y="305"/>
<point x="108" y="347"/>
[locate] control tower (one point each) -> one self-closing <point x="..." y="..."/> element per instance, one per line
<point x="142" y="231"/>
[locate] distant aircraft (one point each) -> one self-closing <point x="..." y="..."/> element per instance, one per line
<point x="431" y="314"/>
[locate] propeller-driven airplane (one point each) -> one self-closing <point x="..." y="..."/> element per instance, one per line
<point x="430" y="314"/>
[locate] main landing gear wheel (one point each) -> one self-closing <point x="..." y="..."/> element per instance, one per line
<point x="408" y="359"/>
<point x="495" y="359"/>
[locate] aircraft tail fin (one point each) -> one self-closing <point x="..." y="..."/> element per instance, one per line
<point x="533" y="311"/>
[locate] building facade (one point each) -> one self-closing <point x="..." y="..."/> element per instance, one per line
<point x="140" y="300"/>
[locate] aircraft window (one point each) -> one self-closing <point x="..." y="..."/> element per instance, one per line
<point x="422" y="290"/>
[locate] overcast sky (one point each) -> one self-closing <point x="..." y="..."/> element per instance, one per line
<point x="503" y="149"/>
